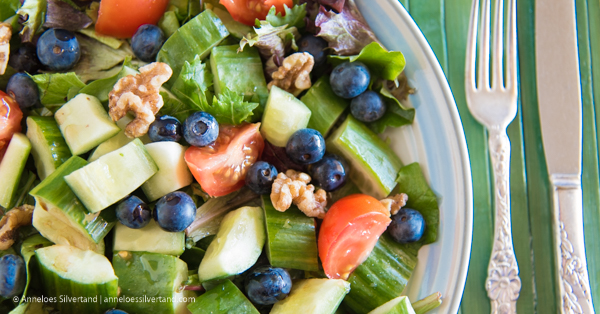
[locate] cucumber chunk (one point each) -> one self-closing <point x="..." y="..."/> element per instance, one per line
<point x="116" y="141"/>
<point x="225" y="298"/>
<point x="399" y="305"/>
<point x="84" y="123"/>
<point x="113" y="176"/>
<point x="173" y="172"/>
<point x="48" y="147"/>
<point x="291" y="238"/>
<point x="151" y="238"/>
<point x="381" y="277"/>
<point x="155" y="280"/>
<point x="284" y="115"/>
<point x="373" y="165"/>
<point x="192" y="257"/>
<point x="237" y="245"/>
<point x="325" y="105"/>
<point x="315" y="296"/>
<point x="69" y="273"/>
<point x="240" y="72"/>
<point x="195" y="37"/>
<point x="61" y="218"/>
<point x="11" y="167"/>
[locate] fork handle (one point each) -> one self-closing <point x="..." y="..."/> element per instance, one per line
<point x="574" y="286"/>
<point x="503" y="283"/>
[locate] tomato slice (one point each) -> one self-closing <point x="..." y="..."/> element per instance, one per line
<point x="10" y="120"/>
<point x="247" y="11"/>
<point x="349" y="232"/>
<point x="220" y="168"/>
<point x="121" y="18"/>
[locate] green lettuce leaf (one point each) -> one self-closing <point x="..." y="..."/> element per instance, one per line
<point x="192" y="87"/>
<point x="293" y="16"/>
<point x="346" y="32"/>
<point x="384" y="64"/>
<point x="174" y="107"/>
<point x="272" y="43"/>
<point x="396" y="114"/>
<point x="8" y="8"/>
<point x="55" y="88"/>
<point x="34" y="14"/>
<point x="420" y="197"/>
<point x="100" y="88"/>
<point x="98" y="60"/>
<point x="28" y="248"/>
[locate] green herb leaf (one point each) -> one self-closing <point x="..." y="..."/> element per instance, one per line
<point x="27" y="251"/>
<point x="174" y="107"/>
<point x="230" y="108"/>
<point x="396" y="114"/>
<point x="100" y="88"/>
<point x="293" y="17"/>
<point x="420" y="197"/>
<point x="385" y="64"/>
<point x="34" y="14"/>
<point x="8" y="8"/>
<point x="98" y="60"/>
<point x="55" y="87"/>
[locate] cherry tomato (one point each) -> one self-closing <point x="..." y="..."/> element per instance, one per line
<point x="247" y="11"/>
<point x="121" y="18"/>
<point x="349" y="232"/>
<point x="220" y="168"/>
<point x="10" y="120"/>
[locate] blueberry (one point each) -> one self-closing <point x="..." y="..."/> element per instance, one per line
<point x="315" y="46"/>
<point x="133" y="212"/>
<point x="165" y="128"/>
<point x="200" y="129"/>
<point x="146" y="42"/>
<point x="329" y="173"/>
<point x="260" y="177"/>
<point x="368" y="106"/>
<point x="350" y="79"/>
<point x="266" y="285"/>
<point x="12" y="275"/>
<point x="58" y="49"/>
<point x="407" y="226"/>
<point x="175" y="211"/>
<point x="305" y="146"/>
<point x="115" y="311"/>
<point x="25" y="59"/>
<point x="24" y="90"/>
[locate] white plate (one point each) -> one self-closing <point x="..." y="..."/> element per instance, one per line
<point x="436" y="140"/>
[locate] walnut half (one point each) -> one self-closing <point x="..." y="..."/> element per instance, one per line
<point x="10" y="223"/>
<point x="5" y="34"/>
<point x="139" y="94"/>
<point x="294" y="73"/>
<point x="394" y="203"/>
<point x="291" y="187"/>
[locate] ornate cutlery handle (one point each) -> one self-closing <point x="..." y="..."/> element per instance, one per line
<point x="573" y="278"/>
<point x="503" y="283"/>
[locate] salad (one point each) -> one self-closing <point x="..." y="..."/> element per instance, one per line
<point x="184" y="156"/>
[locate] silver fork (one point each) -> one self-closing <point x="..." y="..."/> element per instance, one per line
<point x="494" y="104"/>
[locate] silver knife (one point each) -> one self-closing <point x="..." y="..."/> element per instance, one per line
<point x="559" y="96"/>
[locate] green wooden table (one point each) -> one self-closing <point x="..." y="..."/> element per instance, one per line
<point x="444" y="23"/>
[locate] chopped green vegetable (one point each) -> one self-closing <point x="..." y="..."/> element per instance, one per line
<point x="293" y="16"/>
<point x="428" y="303"/>
<point x="34" y="13"/>
<point x="420" y="197"/>
<point x="382" y="63"/>
<point x="272" y="42"/>
<point x="224" y="298"/>
<point x="8" y="8"/>
<point x="55" y="87"/>
<point x="169" y="23"/>
<point x="28" y="248"/>
<point x="112" y="42"/>
<point x="98" y="60"/>
<point x="102" y="87"/>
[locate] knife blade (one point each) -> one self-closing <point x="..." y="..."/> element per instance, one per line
<point x="559" y="101"/>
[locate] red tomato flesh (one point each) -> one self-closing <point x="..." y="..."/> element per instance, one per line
<point x="121" y="18"/>
<point x="10" y="120"/>
<point x="349" y="232"/>
<point x="247" y="11"/>
<point x="221" y="167"/>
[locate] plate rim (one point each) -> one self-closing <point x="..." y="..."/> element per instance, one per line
<point x="462" y="147"/>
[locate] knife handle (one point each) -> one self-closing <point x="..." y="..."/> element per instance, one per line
<point x="503" y="284"/>
<point x="572" y="273"/>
